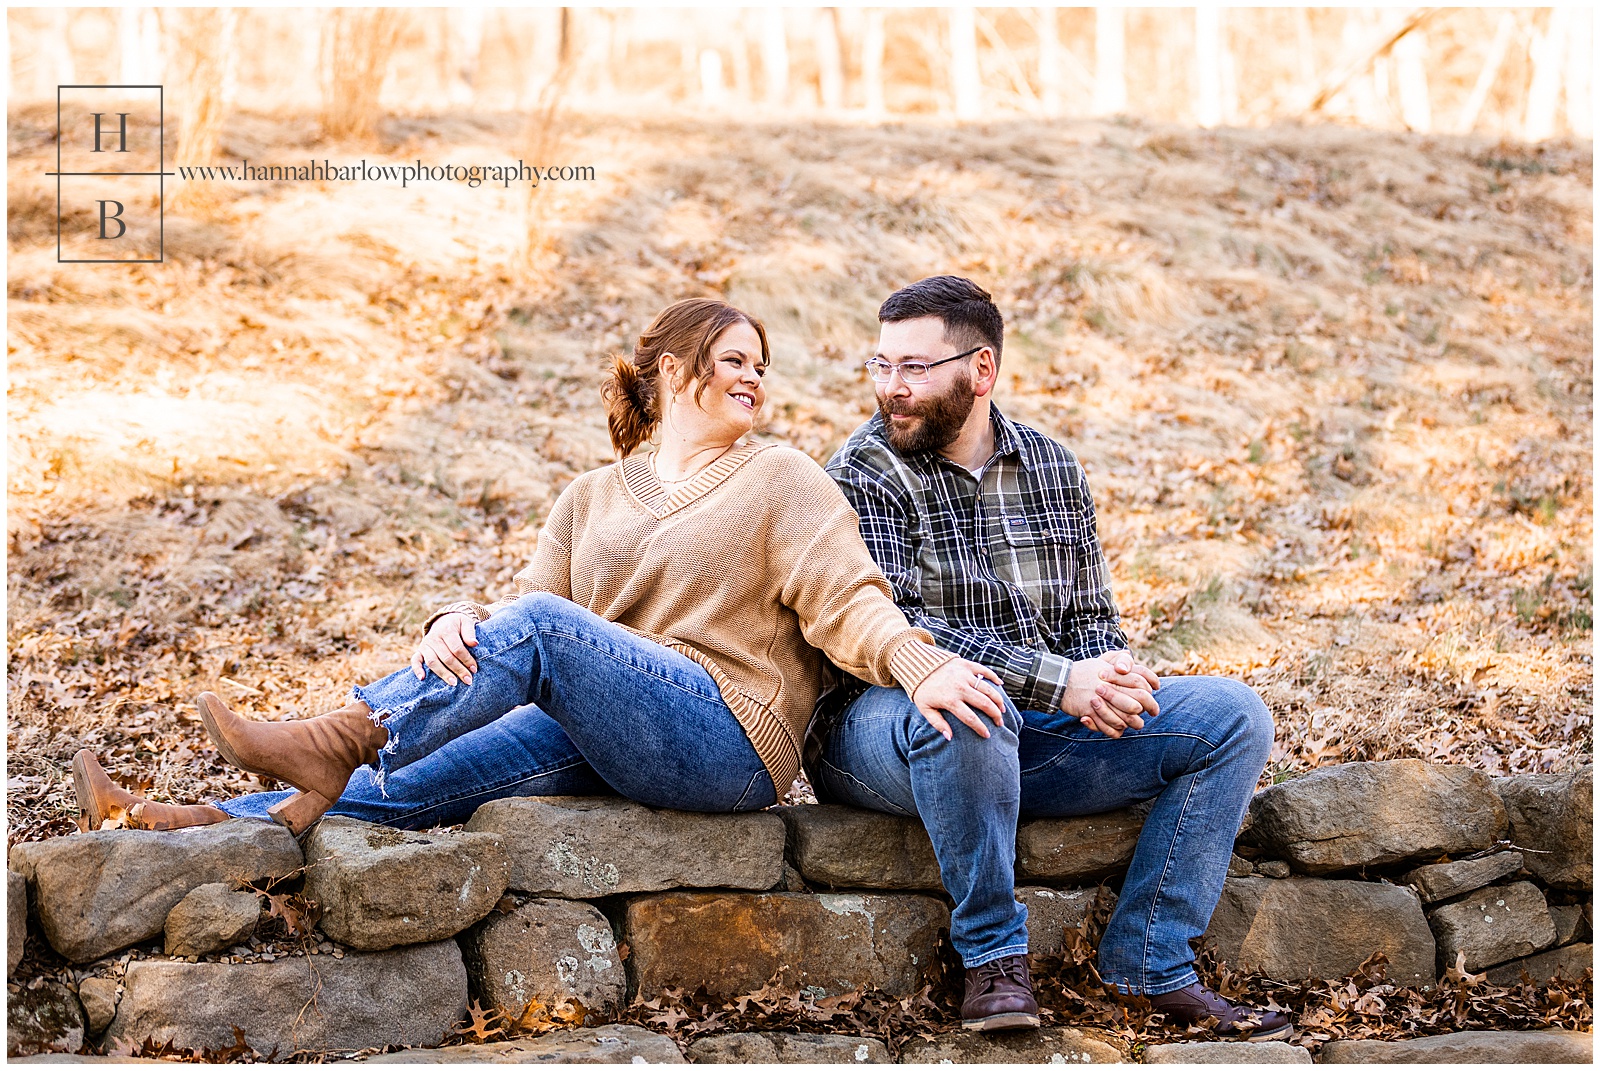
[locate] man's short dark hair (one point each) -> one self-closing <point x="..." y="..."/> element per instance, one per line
<point x="969" y="316"/>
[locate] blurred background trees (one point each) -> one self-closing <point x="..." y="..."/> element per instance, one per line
<point x="1515" y="72"/>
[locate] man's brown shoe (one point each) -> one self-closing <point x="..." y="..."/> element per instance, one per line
<point x="999" y="996"/>
<point x="1195" y="1002"/>
<point x="101" y="799"/>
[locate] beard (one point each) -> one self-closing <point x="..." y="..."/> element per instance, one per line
<point x="936" y="420"/>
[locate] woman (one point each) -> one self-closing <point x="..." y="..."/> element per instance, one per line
<point x="667" y="641"/>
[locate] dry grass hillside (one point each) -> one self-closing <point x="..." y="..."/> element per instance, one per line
<point x="1333" y="390"/>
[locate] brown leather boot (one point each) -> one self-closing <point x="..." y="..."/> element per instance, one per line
<point x="100" y="798"/>
<point x="999" y="996"/>
<point x="1195" y="1003"/>
<point x="316" y="755"/>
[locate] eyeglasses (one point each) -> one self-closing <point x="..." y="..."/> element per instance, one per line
<point x="910" y="371"/>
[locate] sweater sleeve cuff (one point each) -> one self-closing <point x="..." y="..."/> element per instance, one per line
<point x="479" y="613"/>
<point x="914" y="660"/>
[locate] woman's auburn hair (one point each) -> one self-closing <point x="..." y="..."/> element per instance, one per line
<point x="686" y="329"/>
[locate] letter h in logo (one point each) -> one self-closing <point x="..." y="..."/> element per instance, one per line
<point x="110" y="174"/>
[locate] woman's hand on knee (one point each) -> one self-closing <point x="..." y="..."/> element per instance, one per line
<point x="961" y="689"/>
<point x="444" y="649"/>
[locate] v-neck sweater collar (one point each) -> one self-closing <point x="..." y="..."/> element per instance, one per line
<point x="642" y="483"/>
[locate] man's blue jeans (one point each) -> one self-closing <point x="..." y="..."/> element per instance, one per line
<point x="563" y="703"/>
<point x="1199" y="760"/>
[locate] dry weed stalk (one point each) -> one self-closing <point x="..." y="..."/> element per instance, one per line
<point x="357" y="44"/>
<point x="199" y="70"/>
<point x="543" y="136"/>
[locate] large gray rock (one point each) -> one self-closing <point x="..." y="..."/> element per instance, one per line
<point x="619" y="1044"/>
<point x="16" y="919"/>
<point x="380" y="887"/>
<point x="544" y="952"/>
<point x="1569" y="962"/>
<point x="1051" y="911"/>
<point x="211" y="917"/>
<point x="1469" y="1047"/>
<point x="1367" y="814"/>
<point x="1298" y="928"/>
<point x="97" y="892"/>
<point x="1049" y="1045"/>
<point x="1441" y="881"/>
<point x="99" y="999"/>
<point x="772" y="1047"/>
<point x="733" y="943"/>
<point x="1226" y="1052"/>
<point x="1071" y="851"/>
<point x="1493" y="925"/>
<point x="852" y="848"/>
<point x="408" y="996"/>
<point x="43" y="1018"/>
<point x="1569" y="922"/>
<point x="582" y="847"/>
<point x="1552" y="817"/>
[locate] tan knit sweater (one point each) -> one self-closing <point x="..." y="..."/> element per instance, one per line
<point x="749" y="569"/>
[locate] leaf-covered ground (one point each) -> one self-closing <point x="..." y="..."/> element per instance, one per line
<point x="1333" y="390"/>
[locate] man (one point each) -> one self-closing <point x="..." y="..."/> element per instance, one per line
<point x="986" y="531"/>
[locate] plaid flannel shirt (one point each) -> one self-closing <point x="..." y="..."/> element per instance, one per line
<point x="1004" y="568"/>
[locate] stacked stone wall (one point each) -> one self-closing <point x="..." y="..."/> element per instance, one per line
<point x="603" y="902"/>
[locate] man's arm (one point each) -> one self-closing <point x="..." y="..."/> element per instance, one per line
<point x="1033" y="679"/>
<point x="1093" y="625"/>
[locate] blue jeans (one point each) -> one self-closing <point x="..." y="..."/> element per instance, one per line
<point x="1199" y="759"/>
<point x="881" y="753"/>
<point x="563" y="703"/>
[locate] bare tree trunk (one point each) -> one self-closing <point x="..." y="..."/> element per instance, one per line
<point x="1367" y="40"/>
<point x="356" y="46"/>
<point x="1410" y="54"/>
<point x="1050" y="90"/>
<point x="1110" y="79"/>
<point x="1547" y="55"/>
<point x="1486" y="78"/>
<point x="465" y="36"/>
<point x="1382" y="95"/>
<point x="543" y="55"/>
<point x="872" y="42"/>
<point x="596" y="37"/>
<point x="139" y="38"/>
<point x="1208" y="66"/>
<point x="713" y="90"/>
<point x="964" y="79"/>
<point x="59" y="68"/>
<point x="830" y="60"/>
<point x="202" y="52"/>
<point x="1580" y="68"/>
<point x="743" y="85"/>
<point x="775" y="57"/>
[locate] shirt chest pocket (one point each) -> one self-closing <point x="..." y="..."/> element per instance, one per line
<point x="1040" y="555"/>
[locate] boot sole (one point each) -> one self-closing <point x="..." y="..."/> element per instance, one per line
<point x="208" y="719"/>
<point x="1280" y="1034"/>
<point x="1002" y="1021"/>
<point x="86" y="799"/>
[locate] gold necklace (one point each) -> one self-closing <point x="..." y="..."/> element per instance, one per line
<point x="685" y="479"/>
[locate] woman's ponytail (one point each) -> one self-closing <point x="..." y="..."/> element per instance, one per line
<point x="631" y="405"/>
